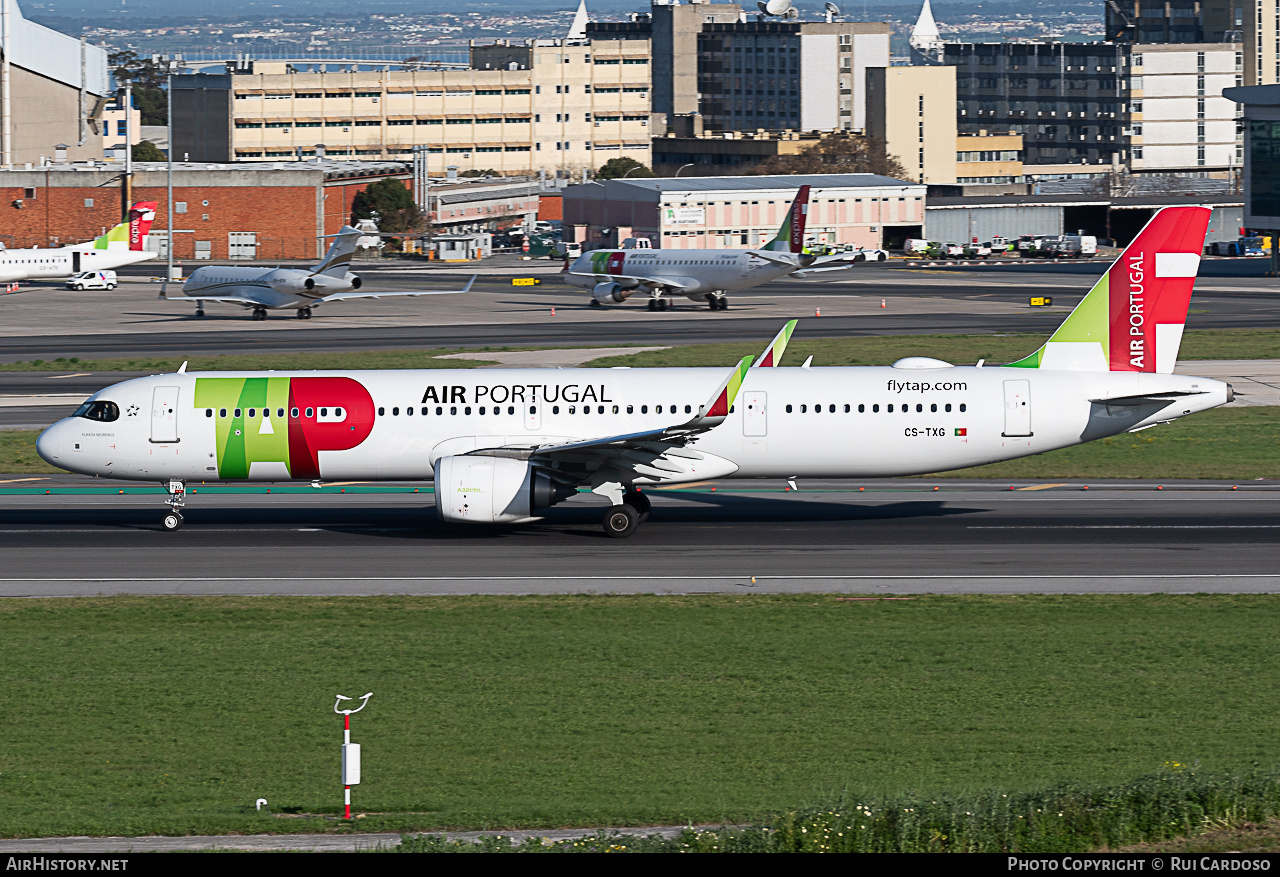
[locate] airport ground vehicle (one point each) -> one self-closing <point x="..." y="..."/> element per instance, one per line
<point x="93" y="280"/>
<point x="502" y="444"/>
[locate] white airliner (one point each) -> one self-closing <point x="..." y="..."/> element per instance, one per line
<point x="300" y="289"/>
<point x="122" y="245"/>
<point x="613" y="276"/>
<point x="502" y="444"/>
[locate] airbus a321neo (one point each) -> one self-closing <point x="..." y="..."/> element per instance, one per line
<point x="299" y="289"/>
<point x="708" y="276"/>
<point x="122" y="245"/>
<point x="502" y="444"/>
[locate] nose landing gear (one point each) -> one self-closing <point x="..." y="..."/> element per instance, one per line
<point x="172" y="519"/>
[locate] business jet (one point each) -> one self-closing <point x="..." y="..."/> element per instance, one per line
<point x="500" y="445"/>
<point x="122" y="245"/>
<point x="708" y="276"/>
<point x="301" y="289"/>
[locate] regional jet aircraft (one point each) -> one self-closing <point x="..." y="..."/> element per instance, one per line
<point x="613" y="276"/>
<point x="301" y="289"/>
<point x="502" y="444"/>
<point x="120" y="246"/>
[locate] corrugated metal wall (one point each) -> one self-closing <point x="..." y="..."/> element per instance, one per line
<point x="984" y="223"/>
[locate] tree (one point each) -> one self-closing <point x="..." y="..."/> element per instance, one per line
<point x="836" y="154"/>
<point x="615" y="168"/>
<point x="148" y="85"/>
<point x="390" y="203"/>
<point x="147" y="151"/>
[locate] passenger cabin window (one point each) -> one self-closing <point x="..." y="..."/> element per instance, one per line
<point x="106" y="412"/>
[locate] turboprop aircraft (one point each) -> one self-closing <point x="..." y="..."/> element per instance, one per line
<point x="501" y="444"/>
<point x="302" y="289"/>
<point x="613" y="276"/>
<point x="122" y="245"/>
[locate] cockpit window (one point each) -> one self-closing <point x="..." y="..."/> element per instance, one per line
<point x="103" y="411"/>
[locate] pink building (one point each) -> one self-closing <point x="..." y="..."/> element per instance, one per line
<point x="865" y="210"/>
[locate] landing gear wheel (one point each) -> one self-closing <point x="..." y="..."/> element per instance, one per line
<point x="259" y="313"/>
<point x="662" y="304"/>
<point x="653" y="304"/>
<point x="621" y="521"/>
<point x="595" y="303"/>
<point x="724" y="302"/>
<point x="640" y="503"/>
<point x="199" y="312"/>
<point x="171" y="521"/>
<point x="304" y="313"/>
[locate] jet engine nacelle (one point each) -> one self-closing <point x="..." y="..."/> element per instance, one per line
<point x="493" y="490"/>
<point x="611" y="293"/>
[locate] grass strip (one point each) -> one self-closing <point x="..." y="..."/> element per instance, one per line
<point x="172" y="715"/>
<point x="1174" y="802"/>
<point x="1233" y="444"/>
<point x="865" y="350"/>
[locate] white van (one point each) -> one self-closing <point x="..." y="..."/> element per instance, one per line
<point x="915" y="245"/>
<point x="93" y="280"/>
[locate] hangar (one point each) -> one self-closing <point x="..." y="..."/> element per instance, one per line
<point x="967" y="218"/>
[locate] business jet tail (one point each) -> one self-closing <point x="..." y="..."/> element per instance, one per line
<point x="337" y="261"/>
<point x="1132" y="319"/>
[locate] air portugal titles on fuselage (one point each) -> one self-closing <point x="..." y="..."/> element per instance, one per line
<point x="501" y="394"/>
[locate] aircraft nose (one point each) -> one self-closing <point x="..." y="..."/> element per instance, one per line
<point x="51" y="445"/>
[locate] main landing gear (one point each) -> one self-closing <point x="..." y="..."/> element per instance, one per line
<point x="718" y="302"/>
<point x="621" y="520"/>
<point x="172" y="519"/>
<point x="657" y="303"/>
<point x="199" y="309"/>
<point x="304" y="313"/>
<point x="259" y="313"/>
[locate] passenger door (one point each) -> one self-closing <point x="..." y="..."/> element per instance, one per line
<point x="754" y="414"/>
<point x="164" y="415"/>
<point x="1017" y="408"/>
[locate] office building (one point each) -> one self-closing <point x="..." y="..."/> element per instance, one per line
<point x="558" y="107"/>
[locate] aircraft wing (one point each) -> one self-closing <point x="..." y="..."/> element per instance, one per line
<point x="644" y="453"/>
<point x="681" y="283"/>
<point x="380" y="293"/>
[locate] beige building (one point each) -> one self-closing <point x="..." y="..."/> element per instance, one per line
<point x="913" y="110"/>
<point x="988" y="158"/>
<point x="57" y="90"/>
<point x="557" y="106"/>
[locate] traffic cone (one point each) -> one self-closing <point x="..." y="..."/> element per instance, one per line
<point x="882" y="304"/>
<point x="817" y="312"/>
<point x="553" y="311"/>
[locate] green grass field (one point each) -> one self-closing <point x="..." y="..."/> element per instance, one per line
<point x="1237" y="444"/>
<point x="173" y="714"/>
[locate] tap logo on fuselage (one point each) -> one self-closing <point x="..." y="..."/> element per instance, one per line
<point x="284" y="420"/>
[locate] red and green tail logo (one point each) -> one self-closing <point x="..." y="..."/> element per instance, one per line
<point x="1132" y="319"/>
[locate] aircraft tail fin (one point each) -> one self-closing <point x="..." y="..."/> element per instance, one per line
<point x="790" y="237"/>
<point x="128" y="235"/>
<point x="1132" y="319"/>
<point x="772" y="355"/>
<point x="337" y="261"/>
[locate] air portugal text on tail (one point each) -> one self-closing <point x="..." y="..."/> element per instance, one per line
<point x="1132" y="319"/>
<point x="500" y="445"/>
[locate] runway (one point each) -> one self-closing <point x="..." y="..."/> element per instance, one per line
<point x="887" y="539"/>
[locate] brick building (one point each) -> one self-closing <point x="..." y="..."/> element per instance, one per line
<point x="278" y="210"/>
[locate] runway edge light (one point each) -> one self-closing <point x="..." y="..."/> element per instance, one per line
<point x="350" y="751"/>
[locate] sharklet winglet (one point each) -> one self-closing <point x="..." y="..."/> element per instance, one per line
<point x="772" y="355"/>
